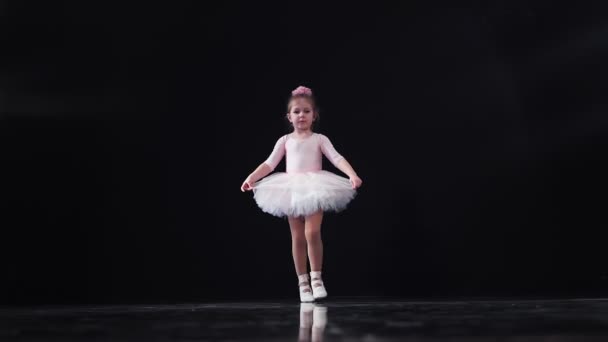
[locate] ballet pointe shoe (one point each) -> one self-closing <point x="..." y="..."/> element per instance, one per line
<point x="318" y="288"/>
<point x="305" y="290"/>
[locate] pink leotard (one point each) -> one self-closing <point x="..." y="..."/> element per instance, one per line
<point x="303" y="155"/>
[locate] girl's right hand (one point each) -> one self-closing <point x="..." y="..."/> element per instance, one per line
<point x="247" y="185"/>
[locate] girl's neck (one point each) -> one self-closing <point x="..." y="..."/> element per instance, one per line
<point x="302" y="134"/>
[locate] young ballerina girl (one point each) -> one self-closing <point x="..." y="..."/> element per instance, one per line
<point x="304" y="191"/>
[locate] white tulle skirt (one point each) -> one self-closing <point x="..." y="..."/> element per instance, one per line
<point x="299" y="194"/>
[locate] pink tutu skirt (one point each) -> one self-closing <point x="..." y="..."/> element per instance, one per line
<point x="300" y="194"/>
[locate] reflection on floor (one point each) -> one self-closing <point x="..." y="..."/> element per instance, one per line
<point x="338" y="319"/>
<point x="313" y="319"/>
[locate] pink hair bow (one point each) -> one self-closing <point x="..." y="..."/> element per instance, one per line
<point x="301" y="90"/>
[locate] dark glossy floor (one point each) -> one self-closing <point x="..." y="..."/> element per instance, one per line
<point x="354" y="319"/>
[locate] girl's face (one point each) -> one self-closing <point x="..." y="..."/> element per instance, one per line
<point x="301" y="114"/>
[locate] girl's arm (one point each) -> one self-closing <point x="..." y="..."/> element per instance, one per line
<point x="260" y="172"/>
<point x="267" y="166"/>
<point x="345" y="167"/>
<point x="340" y="162"/>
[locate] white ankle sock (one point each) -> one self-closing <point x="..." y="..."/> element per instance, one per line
<point x="303" y="278"/>
<point x="315" y="274"/>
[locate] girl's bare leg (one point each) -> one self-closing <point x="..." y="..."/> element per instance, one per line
<point x="312" y="228"/>
<point x="298" y="244"/>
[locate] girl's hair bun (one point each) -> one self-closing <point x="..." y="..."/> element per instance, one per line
<point x="301" y="90"/>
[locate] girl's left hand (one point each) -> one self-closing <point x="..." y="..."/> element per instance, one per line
<point x="355" y="181"/>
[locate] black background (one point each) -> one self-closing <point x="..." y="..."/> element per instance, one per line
<point x="478" y="128"/>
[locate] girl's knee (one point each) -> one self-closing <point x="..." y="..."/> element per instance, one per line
<point x="313" y="234"/>
<point x="298" y="236"/>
